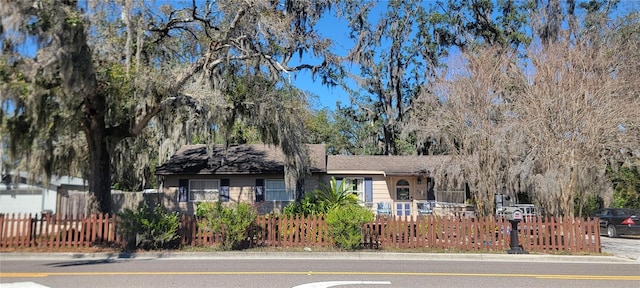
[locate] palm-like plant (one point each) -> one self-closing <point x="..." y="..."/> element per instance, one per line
<point x="325" y="199"/>
<point x="333" y="195"/>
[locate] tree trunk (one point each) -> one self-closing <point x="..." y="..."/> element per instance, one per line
<point x="99" y="170"/>
<point x="95" y="130"/>
<point x="79" y="80"/>
<point x="389" y="140"/>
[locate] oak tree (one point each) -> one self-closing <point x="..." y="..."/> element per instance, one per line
<point x="107" y="76"/>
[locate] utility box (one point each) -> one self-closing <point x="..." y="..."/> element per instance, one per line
<point x="512" y="214"/>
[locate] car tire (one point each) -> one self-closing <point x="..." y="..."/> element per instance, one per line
<point x="611" y="231"/>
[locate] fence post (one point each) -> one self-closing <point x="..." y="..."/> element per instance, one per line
<point x="313" y="230"/>
<point x="413" y="229"/>
<point x="25" y="230"/>
<point x="183" y="229"/>
<point x="296" y="230"/>
<point x="33" y="229"/>
<point x="111" y="221"/>
<point x="596" y="225"/>
<point x="566" y="239"/>
<point x="101" y="229"/>
<point x="304" y="233"/>
<point x="93" y="227"/>
<point x="50" y="230"/>
<point x="2" y="236"/>
<point x="579" y="233"/>
<point x="324" y="232"/>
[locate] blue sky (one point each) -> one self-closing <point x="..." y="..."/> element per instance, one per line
<point x="337" y="30"/>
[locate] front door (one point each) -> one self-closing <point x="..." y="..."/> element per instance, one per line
<point x="403" y="193"/>
<point x="403" y="190"/>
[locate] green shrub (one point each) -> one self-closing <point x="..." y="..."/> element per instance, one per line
<point x="231" y="221"/>
<point x="623" y="198"/>
<point x="308" y="205"/>
<point x="149" y="228"/>
<point x="291" y="209"/>
<point x="345" y="225"/>
<point x="586" y="205"/>
<point x="626" y="186"/>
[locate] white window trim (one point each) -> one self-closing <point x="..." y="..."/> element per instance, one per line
<point x="360" y="187"/>
<point x="215" y="191"/>
<point x="267" y="191"/>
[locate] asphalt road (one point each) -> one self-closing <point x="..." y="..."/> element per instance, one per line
<point x="316" y="270"/>
<point x="499" y="271"/>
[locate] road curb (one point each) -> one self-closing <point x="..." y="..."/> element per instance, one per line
<point x="16" y="256"/>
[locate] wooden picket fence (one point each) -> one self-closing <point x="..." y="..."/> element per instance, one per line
<point x="46" y="231"/>
<point x="266" y="231"/>
<point x="544" y="235"/>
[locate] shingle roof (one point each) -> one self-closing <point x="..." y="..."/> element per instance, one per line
<point x="238" y="159"/>
<point x="390" y="165"/>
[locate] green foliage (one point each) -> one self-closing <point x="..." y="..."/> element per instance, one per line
<point x="334" y="195"/>
<point x="231" y="221"/>
<point x="354" y="137"/>
<point x="586" y="205"/>
<point x="149" y="227"/>
<point x="292" y="208"/>
<point x="73" y="21"/>
<point x="345" y="225"/>
<point x="626" y="199"/>
<point x="626" y="186"/>
<point x="321" y="128"/>
<point x="322" y="200"/>
<point x="309" y="205"/>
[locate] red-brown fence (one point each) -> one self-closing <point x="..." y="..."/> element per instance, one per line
<point x="484" y="234"/>
<point x="446" y="233"/>
<point x="267" y="231"/>
<point x="47" y="231"/>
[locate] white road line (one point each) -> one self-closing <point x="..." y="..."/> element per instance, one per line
<point x="22" y="285"/>
<point x="339" y="283"/>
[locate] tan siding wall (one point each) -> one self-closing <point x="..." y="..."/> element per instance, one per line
<point x="380" y="187"/>
<point x="241" y="189"/>
<point x="418" y="191"/>
<point x="384" y="189"/>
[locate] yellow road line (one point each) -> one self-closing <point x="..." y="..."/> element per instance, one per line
<point x="423" y="274"/>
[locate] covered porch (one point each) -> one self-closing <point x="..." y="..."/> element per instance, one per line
<point x="452" y="203"/>
<point x="404" y="185"/>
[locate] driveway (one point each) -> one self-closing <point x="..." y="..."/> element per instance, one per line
<point x="625" y="246"/>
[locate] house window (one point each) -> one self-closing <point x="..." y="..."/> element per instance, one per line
<point x="204" y="190"/>
<point x="402" y="190"/>
<point x="357" y="187"/>
<point x="275" y="190"/>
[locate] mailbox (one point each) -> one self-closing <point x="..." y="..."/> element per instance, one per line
<point x="512" y="213"/>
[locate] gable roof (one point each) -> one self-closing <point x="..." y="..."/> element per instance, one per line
<point x="387" y="164"/>
<point x="237" y="159"/>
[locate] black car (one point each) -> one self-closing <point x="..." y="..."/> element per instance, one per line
<point x="618" y="221"/>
